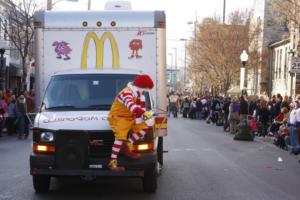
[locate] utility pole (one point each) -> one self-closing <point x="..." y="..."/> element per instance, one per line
<point x="184" y="64"/>
<point x="184" y="72"/>
<point x="49" y="4"/>
<point x="175" y="64"/>
<point x="89" y="5"/>
<point x="224" y="11"/>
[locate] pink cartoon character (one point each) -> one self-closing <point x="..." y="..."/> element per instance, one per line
<point x="135" y="45"/>
<point x="62" y="49"/>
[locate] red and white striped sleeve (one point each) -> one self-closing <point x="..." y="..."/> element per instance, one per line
<point x="126" y="98"/>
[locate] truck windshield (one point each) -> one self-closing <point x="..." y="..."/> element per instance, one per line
<point x="85" y="91"/>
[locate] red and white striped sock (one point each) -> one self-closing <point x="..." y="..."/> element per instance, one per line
<point x="116" y="149"/>
<point x="138" y="135"/>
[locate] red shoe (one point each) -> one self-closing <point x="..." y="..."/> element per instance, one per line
<point x="126" y="151"/>
<point x="113" y="165"/>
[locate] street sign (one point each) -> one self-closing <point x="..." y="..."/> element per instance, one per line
<point x="295" y="65"/>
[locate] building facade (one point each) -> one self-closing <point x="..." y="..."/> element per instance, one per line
<point x="4" y="48"/>
<point x="284" y="54"/>
<point x="260" y="80"/>
<point x="11" y="69"/>
<point x="282" y="78"/>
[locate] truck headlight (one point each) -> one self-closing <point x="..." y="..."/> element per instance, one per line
<point x="47" y="137"/>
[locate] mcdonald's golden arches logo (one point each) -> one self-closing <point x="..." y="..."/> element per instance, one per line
<point x="99" y="43"/>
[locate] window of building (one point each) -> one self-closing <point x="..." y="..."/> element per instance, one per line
<point x="285" y="62"/>
<point x="273" y="64"/>
<point x="0" y="28"/>
<point x="276" y="64"/>
<point x="280" y="64"/>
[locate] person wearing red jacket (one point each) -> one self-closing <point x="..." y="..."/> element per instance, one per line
<point x="3" y="112"/>
<point x="278" y="121"/>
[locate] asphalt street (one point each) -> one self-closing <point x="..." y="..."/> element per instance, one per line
<point x="202" y="163"/>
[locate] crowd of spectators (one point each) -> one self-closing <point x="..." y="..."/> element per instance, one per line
<point x="278" y="117"/>
<point x="14" y="109"/>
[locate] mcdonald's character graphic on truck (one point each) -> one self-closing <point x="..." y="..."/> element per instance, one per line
<point x="62" y="49"/>
<point x="128" y="113"/>
<point x="135" y="45"/>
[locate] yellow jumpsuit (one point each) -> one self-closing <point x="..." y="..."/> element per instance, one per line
<point x="122" y="120"/>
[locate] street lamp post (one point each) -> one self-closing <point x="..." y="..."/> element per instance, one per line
<point x="184" y="72"/>
<point x="171" y="71"/>
<point x="195" y="26"/>
<point x="175" y="64"/>
<point x="244" y="60"/>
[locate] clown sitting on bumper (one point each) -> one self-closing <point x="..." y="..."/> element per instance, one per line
<point x="127" y="113"/>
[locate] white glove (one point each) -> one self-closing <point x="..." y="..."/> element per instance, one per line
<point x="150" y="122"/>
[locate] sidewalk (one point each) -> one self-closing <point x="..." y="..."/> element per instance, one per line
<point x="269" y="140"/>
<point x="4" y="132"/>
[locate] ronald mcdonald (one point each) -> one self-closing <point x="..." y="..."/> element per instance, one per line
<point x="127" y="113"/>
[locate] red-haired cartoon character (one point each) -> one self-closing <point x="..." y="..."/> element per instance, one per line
<point x="62" y="48"/>
<point x="135" y="45"/>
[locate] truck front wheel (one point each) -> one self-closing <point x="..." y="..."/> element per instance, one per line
<point x="41" y="183"/>
<point x="150" y="180"/>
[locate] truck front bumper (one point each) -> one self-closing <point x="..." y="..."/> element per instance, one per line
<point x="45" y="165"/>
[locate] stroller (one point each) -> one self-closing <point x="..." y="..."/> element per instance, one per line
<point x="220" y="118"/>
<point x="212" y="117"/>
<point x="244" y="132"/>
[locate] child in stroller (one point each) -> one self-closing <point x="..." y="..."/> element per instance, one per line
<point x="279" y="139"/>
<point x="252" y="124"/>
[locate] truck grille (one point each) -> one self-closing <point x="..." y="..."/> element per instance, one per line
<point x="100" y="144"/>
<point x="75" y="148"/>
<point x="72" y="150"/>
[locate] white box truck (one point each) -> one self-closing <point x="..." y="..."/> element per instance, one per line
<point x="83" y="59"/>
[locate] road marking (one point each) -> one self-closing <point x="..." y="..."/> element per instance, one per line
<point x="6" y="196"/>
<point x="187" y="149"/>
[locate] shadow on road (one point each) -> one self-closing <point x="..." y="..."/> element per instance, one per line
<point x="106" y="188"/>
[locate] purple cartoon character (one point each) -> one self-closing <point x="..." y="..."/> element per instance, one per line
<point x="62" y="49"/>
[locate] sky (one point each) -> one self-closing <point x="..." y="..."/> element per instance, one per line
<point x="178" y="12"/>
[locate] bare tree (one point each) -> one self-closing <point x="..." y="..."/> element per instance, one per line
<point x="215" y="52"/>
<point x="19" y="29"/>
<point x="288" y="12"/>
